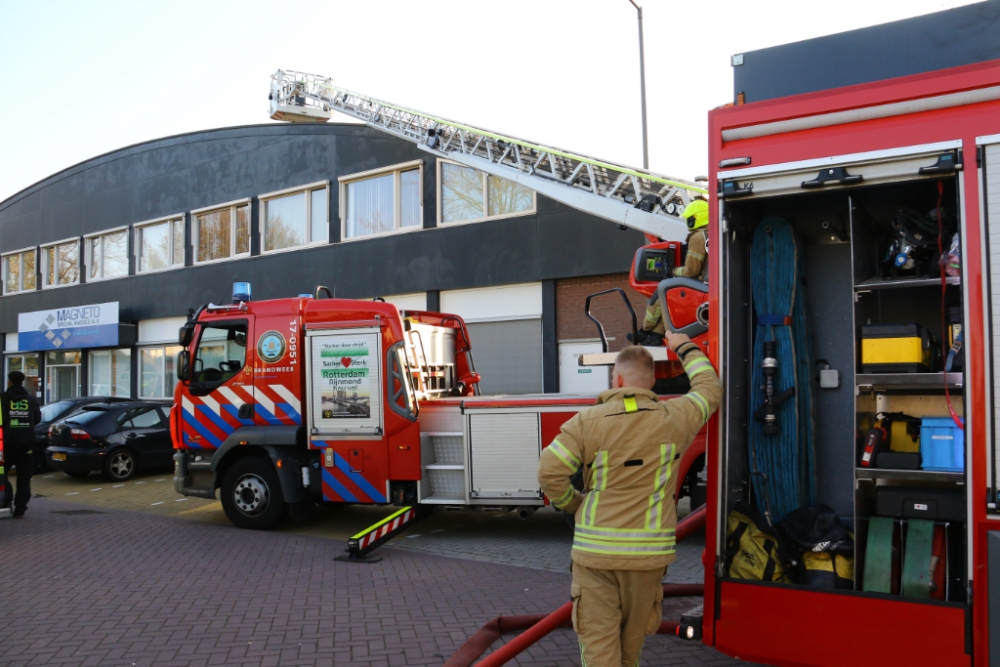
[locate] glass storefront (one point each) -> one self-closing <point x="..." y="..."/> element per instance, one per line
<point x="110" y="373"/>
<point x="62" y="375"/>
<point x="27" y="364"/>
<point x="157" y="373"/>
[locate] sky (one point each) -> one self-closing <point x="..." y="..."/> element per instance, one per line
<point x="79" y="78"/>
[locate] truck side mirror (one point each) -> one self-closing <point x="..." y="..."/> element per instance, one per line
<point x="185" y="334"/>
<point x="183" y="365"/>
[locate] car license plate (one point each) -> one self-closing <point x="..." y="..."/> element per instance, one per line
<point x="58" y="456"/>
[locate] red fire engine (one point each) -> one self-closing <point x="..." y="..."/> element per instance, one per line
<point x="859" y="174"/>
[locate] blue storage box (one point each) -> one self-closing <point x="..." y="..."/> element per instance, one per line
<point x="942" y="445"/>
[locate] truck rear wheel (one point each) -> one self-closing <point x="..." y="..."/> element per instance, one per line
<point x="251" y="494"/>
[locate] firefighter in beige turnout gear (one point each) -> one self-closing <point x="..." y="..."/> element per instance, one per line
<point x="628" y="445"/>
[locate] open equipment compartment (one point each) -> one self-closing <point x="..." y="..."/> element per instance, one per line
<point x="841" y="215"/>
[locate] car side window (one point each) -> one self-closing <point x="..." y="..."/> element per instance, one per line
<point x="145" y="418"/>
<point x="123" y="418"/>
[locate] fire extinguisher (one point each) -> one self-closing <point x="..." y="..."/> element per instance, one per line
<point x="875" y="441"/>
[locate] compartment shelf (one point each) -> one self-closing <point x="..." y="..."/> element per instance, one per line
<point x="882" y="283"/>
<point x="914" y="475"/>
<point x="908" y="380"/>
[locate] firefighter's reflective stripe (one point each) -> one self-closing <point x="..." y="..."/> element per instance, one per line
<point x="624" y="533"/>
<point x="599" y="482"/>
<point x="630" y="404"/>
<point x="561" y="501"/>
<point x="565" y="455"/>
<point x="701" y="403"/>
<point x="654" y="515"/>
<point x="623" y="546"/>
<point x="696" y="366"/>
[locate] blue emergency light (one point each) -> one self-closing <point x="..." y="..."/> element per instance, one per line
<point x="241" y="292"/>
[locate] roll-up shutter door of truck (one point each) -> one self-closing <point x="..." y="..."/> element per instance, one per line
<point x="888" y="166"/>
<point x="991" y="200"/>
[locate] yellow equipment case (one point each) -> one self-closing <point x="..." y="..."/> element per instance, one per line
<point x="895" y="348"/>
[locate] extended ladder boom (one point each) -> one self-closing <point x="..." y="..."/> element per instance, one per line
<point x="636" y="198"/>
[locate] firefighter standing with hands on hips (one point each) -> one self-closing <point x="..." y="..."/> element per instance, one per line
<point x="695" y="266"/>
<point x="628" y="446"/>
<point x="20" y="413"/>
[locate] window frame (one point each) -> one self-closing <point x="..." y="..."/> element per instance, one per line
<point x="5" y="258"/>
<point x="137" y="243"/>
<point x="306" y="189"/>
<point x="87" y="254"/>
<point x="486" y="198"/>
<point x="394" y="169"/>
<point x="162" y="369"/>
<point x="56" y="244"/>
<point x="232" y="205"/>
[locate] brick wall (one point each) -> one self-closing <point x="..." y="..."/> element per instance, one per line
<point x="572" y="323"/>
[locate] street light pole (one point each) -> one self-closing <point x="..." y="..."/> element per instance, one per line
<point x="642" y="85"/>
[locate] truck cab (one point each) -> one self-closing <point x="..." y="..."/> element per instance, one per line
<point x="286" y="401"/>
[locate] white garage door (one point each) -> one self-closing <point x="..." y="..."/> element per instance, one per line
<point x="505" y="325"/>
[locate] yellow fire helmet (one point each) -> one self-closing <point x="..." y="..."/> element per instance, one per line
<point x="696" y="214"/>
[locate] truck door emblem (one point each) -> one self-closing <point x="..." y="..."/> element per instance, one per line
<point x="271" y="347"/>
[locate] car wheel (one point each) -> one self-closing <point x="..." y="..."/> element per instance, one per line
<point x="77" y="473"/>
<point x="251" y="494"/>
<point x="120" y="465"/>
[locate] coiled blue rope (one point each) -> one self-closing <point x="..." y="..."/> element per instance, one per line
<point x="787" y="458"/>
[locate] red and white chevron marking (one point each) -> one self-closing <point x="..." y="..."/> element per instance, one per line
<point x="381" y="532"/>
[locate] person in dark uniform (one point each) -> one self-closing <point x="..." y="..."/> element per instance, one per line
<point x="20" y="415"/>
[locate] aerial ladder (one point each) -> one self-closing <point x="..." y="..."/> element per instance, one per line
<point x="635" y="198"/>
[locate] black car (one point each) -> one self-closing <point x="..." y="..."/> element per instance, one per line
<point x="116" y="438"/>
<point x="53" y="412"/>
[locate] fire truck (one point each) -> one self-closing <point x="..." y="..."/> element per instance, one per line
<point x="285" y="403"/>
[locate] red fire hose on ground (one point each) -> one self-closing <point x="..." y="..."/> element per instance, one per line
<point x="538" y="625"/>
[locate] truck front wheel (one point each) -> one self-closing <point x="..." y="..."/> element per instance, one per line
<point x="251" y="494"/>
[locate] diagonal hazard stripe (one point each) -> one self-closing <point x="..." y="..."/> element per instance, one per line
<point x="334" y="491"/>
<point x="363" y="484"/>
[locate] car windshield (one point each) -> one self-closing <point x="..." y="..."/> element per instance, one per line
<point x="53" y="410"/>
<point x="86" y="416"/>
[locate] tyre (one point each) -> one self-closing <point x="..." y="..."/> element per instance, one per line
<point x="77" y="473"/>
<point x="120" y="465"/>
<point x="251" y="494"/>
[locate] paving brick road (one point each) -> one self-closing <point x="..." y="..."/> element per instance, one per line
<point x="86" y="584"/>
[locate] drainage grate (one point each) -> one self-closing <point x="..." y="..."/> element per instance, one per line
<point x="68" y="512"/>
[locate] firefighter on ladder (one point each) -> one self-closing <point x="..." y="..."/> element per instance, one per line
<point x="627" y="446"/>
<point x="695" y="266"/>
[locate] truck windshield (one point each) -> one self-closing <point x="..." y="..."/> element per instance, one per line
<point x="222" y="351"/>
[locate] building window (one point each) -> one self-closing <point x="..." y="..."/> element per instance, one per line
<point x="159" y="245"/>
<point x="157" y="371"/>
<point x="61" y="264"/>
<point x="467" y="195"/>
<point x="19" y="271"/>
<point x="111" y="373"/>
<point x="295" y="217"/>
<point x="382" y="201"/>
<point x="107" y="255"/>
<point x="222" y="232"/>
<point x="27" y="364"/>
